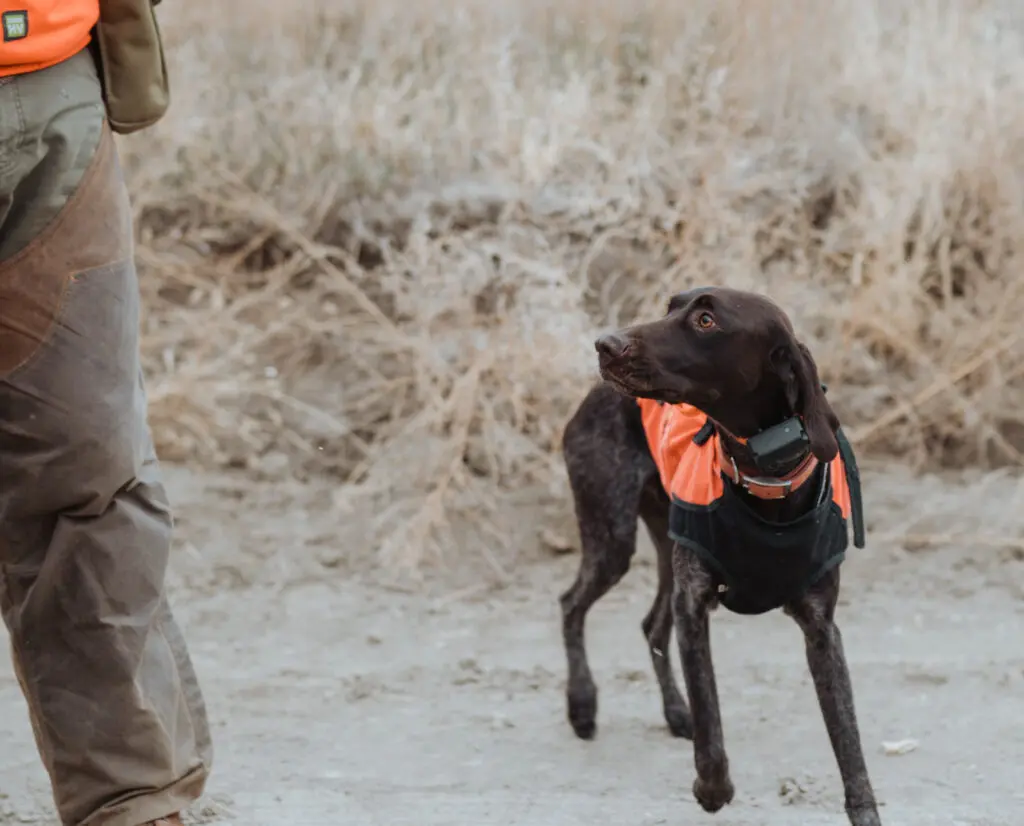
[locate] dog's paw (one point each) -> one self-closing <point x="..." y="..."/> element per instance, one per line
<point x="583" y="713"/>
<point x="712" y="795"/>
<point x="679" y="722"/>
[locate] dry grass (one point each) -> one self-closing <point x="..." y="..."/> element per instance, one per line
<point x="377" y="238"/>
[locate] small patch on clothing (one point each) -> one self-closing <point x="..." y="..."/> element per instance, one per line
<point x="15" y="24"/>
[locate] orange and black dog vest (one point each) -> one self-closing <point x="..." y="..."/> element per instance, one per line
<point x="763" y="565"/>
<point x="42" y="33"/>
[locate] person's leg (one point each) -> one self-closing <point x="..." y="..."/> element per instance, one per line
<point x="85" y="524"/>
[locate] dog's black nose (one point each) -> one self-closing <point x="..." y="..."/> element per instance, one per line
<point x="612" y="345"/>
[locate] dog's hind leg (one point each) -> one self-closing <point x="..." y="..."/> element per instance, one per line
<point x="657" y="625"/>
<point x="815" y="614"/>
<point x="608" y="463"/>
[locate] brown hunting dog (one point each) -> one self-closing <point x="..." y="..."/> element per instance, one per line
<point x="713" y="428"/>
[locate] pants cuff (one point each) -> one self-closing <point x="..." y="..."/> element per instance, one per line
<point x="140" y="809"/>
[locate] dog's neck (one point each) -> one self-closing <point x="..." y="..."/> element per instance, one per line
<point x="742" y="455"/>
<point x="780" y="488"/>
<point x="737" y="423"/>
<point x="788" y="504"/>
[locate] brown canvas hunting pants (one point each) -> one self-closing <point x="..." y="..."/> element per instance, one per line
<point x="85" y="524"/>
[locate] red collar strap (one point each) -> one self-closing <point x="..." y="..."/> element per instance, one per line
<point x="767" y="487"/>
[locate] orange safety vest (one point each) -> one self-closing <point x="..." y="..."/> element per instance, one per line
<point x="40" y="33"/>
<point x="692" y="472"/>
<point x="758" y="565"/>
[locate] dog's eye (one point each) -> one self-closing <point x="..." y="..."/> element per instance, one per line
<point x="705" y="320"/>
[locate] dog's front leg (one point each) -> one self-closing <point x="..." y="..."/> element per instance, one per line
<point x="815" y="614"/>
<point x="692" y="602"/>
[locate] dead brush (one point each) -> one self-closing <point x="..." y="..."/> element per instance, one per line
<point x="377" y="239"/>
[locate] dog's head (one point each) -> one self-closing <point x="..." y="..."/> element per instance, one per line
<point x="730" y="353"/>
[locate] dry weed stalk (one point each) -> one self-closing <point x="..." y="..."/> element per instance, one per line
<point x="378" y="237"/>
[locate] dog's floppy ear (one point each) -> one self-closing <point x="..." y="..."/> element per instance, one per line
<point x="794" y="364"/>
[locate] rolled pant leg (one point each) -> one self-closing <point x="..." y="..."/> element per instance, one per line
<point x="85" y="525"/>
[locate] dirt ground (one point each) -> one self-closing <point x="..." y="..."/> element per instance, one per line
<point x="339" y="698"/>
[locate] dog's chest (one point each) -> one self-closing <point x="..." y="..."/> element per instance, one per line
<point x="761" y="565"/>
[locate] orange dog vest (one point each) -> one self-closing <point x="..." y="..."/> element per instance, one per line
<point x="761" y="565"/>
<point x="41" y="33"/>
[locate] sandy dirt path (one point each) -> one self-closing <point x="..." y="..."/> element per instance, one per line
<point x="339" y="701"/>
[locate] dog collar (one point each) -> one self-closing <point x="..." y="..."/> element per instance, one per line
<point x="767" y="487"/>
